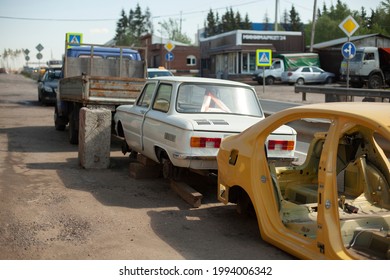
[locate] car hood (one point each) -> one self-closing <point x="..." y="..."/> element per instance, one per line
<point x="52" y="84"/>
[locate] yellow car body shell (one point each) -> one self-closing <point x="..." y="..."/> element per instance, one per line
<point x="242" y="163"/>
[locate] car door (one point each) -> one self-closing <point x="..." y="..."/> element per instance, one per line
<point x="317" y="76"/>
<point x="134" y="122"/>
<point x="155" y="125"/>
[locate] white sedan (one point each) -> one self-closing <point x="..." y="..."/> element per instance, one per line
<point x="181" y="121"/>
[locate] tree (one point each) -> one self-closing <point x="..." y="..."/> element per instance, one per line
<point x="211" y="24"/>
<point x="130" y="28"/>
<point x="295" y="20"/>
<point x="8" y="55"/>
<point x="172" y="28"/>
<point x="229" y="21"/>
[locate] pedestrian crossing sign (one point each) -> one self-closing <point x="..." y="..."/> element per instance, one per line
<point x="263" y="57"/>
<point x="74" y="39"/>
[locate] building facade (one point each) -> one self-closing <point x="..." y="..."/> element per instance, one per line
<point x="182" y="60"/>
<point x="232" y="55"/>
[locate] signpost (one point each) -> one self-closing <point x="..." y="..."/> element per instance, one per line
<point x="348" y="50"/>
<point x="169" y="56"/>
<point x="39" y="48"/>
<point x="74" y="39"/>
<point x="169" y="46"/>
<point x="263" y="59"/>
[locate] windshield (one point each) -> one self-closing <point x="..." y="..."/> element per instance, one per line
<point x="358" y="57"/>
<point x="222" y="99"/>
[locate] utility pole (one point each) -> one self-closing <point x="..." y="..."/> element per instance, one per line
<point x="313" y="27"/>
<point x="276" y="14"/>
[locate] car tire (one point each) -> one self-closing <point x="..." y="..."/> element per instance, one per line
<point x="300" y="82"/>
<point x="329" y="80"/>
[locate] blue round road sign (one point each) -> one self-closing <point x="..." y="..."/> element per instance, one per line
<point x="169" y="56"/>
<point x="348" y="50"/>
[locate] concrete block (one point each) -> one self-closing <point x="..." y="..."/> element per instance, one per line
<point x="94" y="138"/>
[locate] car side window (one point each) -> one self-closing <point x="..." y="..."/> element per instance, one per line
<point x="146" y="96"/>
<point x="163" y="98"/>
<point x="305" y="69"/>
<point x="316" y="70"/>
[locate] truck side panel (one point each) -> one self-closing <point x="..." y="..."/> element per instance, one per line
<point x="100" y="90"/>
<point x="77" y="66"/>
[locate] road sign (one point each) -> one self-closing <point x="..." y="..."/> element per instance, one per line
<point x="348" y="50"/>
<point x="74" y="39"/>
<point x="263" y="57"/>
<point x="39" y="47"/>
<point x="169" y="46"/>
<point x="39" y="56"/>
<point x="169" y="56"/>
<point x="349" y="25"/>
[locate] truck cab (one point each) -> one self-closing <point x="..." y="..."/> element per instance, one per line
<point x="272" y="73"/>
<point x="369" y="66"/>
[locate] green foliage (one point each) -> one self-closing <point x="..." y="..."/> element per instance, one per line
<point x="329" y="18"/>
<point x="130" y="28"/>
<point x="173" y="29"/>
<point x="229" y="21"/>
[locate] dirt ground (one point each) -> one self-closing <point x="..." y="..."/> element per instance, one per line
<point x="51" y="208"/>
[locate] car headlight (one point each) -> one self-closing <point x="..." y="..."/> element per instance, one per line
<point x="48" y="89"/>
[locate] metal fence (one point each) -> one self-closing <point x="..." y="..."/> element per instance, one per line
<point x="338" y="94"/>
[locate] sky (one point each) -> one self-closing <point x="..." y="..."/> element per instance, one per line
<point x="24" y="23"/>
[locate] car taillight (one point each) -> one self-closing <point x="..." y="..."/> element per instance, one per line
<point x="289" y="74"/>
<point x="204" y="142"/>
<point x="281" y="145"/>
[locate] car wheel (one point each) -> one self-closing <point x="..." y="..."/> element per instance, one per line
<point x="329" y="80"/>
<point x="300" y="82"/>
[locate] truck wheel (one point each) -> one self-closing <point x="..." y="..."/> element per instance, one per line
<point x="269" y="80"/>
<point x="57" y="121"/>
<point x="375" y="82"/>
<point x="73" y="131"/>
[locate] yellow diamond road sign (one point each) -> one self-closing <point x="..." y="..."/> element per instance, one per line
<point x="349" y="26"/>
<point x="169" y="46"/>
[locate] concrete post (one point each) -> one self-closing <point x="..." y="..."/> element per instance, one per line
<point x="94" y="138"/>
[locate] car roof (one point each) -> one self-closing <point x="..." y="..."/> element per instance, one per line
<point x="373" y="112"/>
<point x="183" y="79"/>
<point x="158" y="69"/>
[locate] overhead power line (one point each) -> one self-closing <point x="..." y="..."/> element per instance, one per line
<point x="56" y="19"/>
